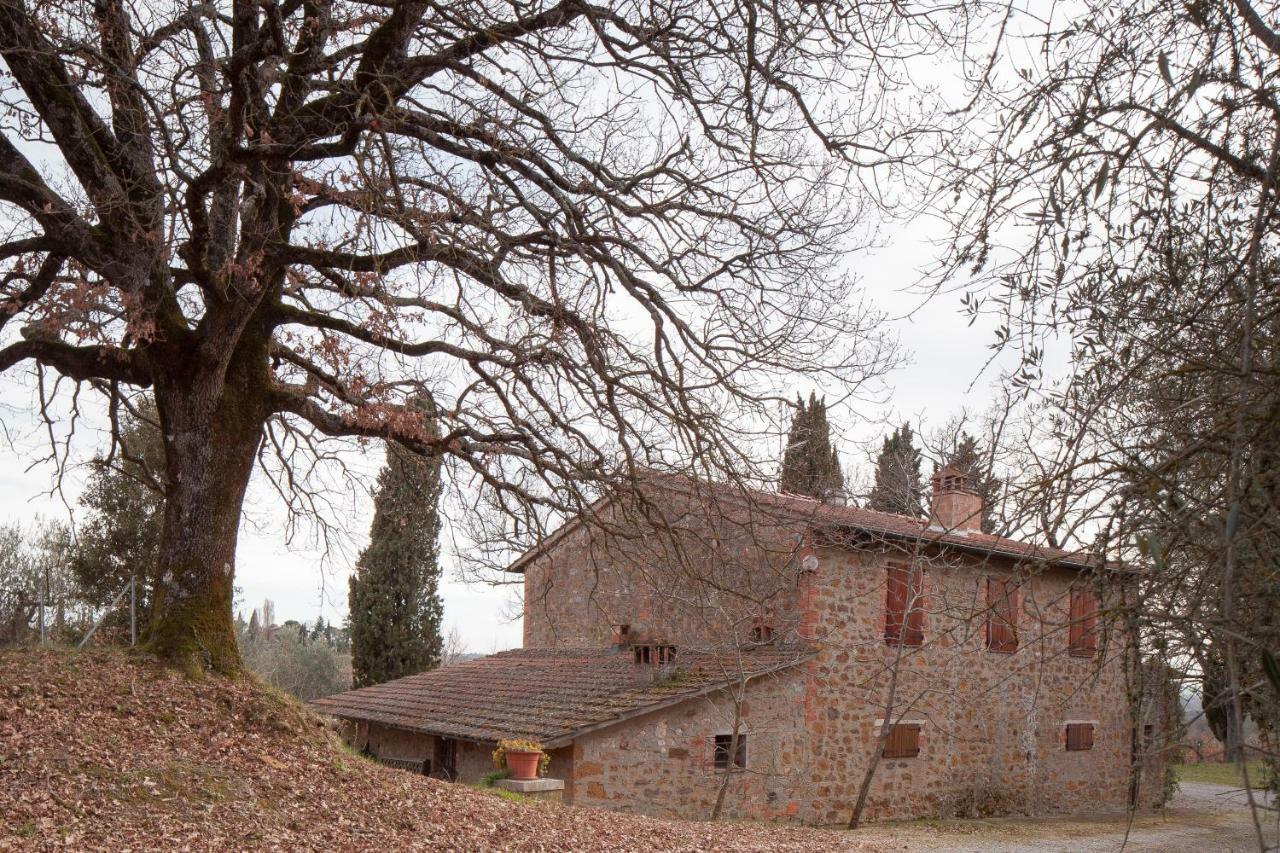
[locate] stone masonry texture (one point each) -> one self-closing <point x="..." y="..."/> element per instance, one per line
<point x="992" y="725"/>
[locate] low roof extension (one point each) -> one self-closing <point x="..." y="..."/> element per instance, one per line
<point x="548" y="695"/>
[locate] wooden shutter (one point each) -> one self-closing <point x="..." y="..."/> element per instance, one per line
<point x="903" y="741"/>
<point x="1002" y="614"/>
<point x="1079" y="736"/>
<point x="895" y="604"/>
<point x="904" y="606"/>
<point x="914" y="635"/>
<point x="1083" y="631"/>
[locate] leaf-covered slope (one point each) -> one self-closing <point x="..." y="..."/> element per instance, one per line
<point x="110" y="750"/>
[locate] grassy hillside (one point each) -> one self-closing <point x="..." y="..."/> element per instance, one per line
<point x="104" y="749"/>
<point x="1220" y="774"/>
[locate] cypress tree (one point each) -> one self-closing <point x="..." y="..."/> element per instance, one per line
<point x="810" y="465"/>
<point x="967" y="458"/>
<point x="898" y="488"/>
<point x="394" y="600"/>
<point x="793" y="478"/>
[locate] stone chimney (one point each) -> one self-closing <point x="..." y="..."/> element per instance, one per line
<point x="956" y="504"/>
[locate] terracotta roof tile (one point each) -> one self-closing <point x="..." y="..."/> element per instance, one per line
<point x="549" y="695"/>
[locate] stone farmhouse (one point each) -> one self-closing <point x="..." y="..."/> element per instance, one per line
<point x="697" y="642"/>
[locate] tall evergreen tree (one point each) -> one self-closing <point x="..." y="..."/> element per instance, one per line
<point x="898" y="488"/>
<point x="810" y="465"/>
<point x="394" y="601"/>
<point x="967" y="457"/>
<point x="119" y="535"/>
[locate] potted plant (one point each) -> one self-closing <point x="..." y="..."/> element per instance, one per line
<point x="524" y="758"/>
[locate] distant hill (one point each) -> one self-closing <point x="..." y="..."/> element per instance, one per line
<point x="108" y="750"/>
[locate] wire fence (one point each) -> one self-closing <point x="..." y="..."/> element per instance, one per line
<point x="31" y="618"/>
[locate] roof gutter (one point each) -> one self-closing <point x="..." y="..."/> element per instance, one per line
<point x="982" y="550"/>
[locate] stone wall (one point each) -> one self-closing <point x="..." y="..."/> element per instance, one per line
<point x="992" y="724"/>
<point x="662" y="763"/>
<point x="695" y="585"/>
<point x="473" y="759"/>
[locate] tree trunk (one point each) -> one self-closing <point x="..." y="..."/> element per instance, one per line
<point x="738" y="697"/>
<point x="212" y="431"/>
<point x="873" y="760"/>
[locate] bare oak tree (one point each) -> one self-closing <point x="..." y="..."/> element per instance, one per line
<point x="596" y="235"/>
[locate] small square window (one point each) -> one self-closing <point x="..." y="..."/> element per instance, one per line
<point x="903" y="741"/>
<point x="1079" y="737"/>
<point x="723" y="743"/>
<point x="655" y="655"/>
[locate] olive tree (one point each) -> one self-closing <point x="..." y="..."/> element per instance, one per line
<point x="1121" y="198"/>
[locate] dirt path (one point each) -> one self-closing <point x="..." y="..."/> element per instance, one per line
<point x="1202" y="818"/>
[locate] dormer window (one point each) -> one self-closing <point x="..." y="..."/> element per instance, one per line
<point x="654" y="654"/>
<point x="761" y="630"/>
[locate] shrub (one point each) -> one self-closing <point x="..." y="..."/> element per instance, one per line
<point x="491" y="778"/>
<point x="308" y="670"/>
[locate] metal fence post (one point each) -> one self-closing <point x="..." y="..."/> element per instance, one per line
<point x="115" y="602"/>
<point x="133" y="610"/>
<point x="41" y="606"/>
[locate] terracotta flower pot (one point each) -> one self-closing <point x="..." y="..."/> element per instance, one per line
<point x="523" y="765"/>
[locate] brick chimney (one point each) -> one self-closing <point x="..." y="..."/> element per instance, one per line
<point x="956" y="504"/>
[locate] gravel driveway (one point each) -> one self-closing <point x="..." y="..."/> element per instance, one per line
<point x="1202" y="818"/>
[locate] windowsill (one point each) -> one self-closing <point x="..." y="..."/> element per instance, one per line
<point x="1082" y="653"/>
<point x="1002" y="651"/>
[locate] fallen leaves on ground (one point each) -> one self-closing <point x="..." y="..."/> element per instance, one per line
<point x="110" y="750"/>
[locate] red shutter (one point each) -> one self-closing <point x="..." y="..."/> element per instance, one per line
<point x="915" y="609"/>
<point x="903" y="741"/>
<point x="1079" y="736"/>
<point x="1083" y="633"/>
<point x="904" y="606"/>
<point x="1002" y="615"/>
<point x="895" y="604"/>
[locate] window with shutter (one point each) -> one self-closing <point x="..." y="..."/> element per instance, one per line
<point x="903" y="741"/>
<point x="723" y="745"/>
<point x="904" y="606"/>
<point x="1082" y="640"/>
<point x="1079" y="736"/>
<point x="1002" y="614"/>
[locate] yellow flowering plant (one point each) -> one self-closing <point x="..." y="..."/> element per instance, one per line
<point x="520" y="745"/>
